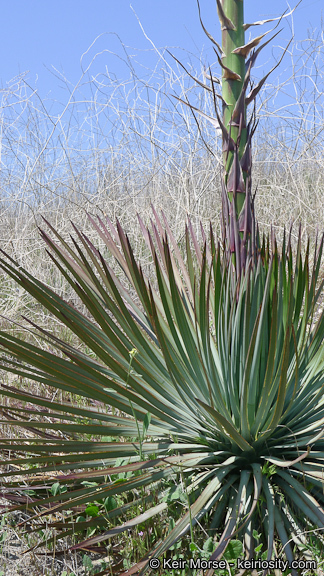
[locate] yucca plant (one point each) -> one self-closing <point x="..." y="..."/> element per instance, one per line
<point x="209" y="373"/>
<point x="225" y="379"/>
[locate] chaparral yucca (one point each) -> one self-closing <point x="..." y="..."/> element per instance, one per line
<point x="215" y="367"/>
<point x="230" y="373"/>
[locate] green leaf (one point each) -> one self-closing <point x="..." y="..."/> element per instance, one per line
<point x="92" y="510"/>
<point x="57" y="488"/>
<point x="234" y="550"/>
<point x="146" y="423"/>
<point x="208" y="547"/>
<point x="87" y="562"/>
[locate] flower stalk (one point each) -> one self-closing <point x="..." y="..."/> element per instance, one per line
<point x="236" y="58"/>
<point x="239" y="234"/>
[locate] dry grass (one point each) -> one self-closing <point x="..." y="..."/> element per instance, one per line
<point x="116" y="147"/>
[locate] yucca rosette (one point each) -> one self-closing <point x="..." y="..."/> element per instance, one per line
<point x="211" y="380"/>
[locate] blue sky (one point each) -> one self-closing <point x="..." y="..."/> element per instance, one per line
<point x="40" y="36"/>
<point x="51" y="43"/>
